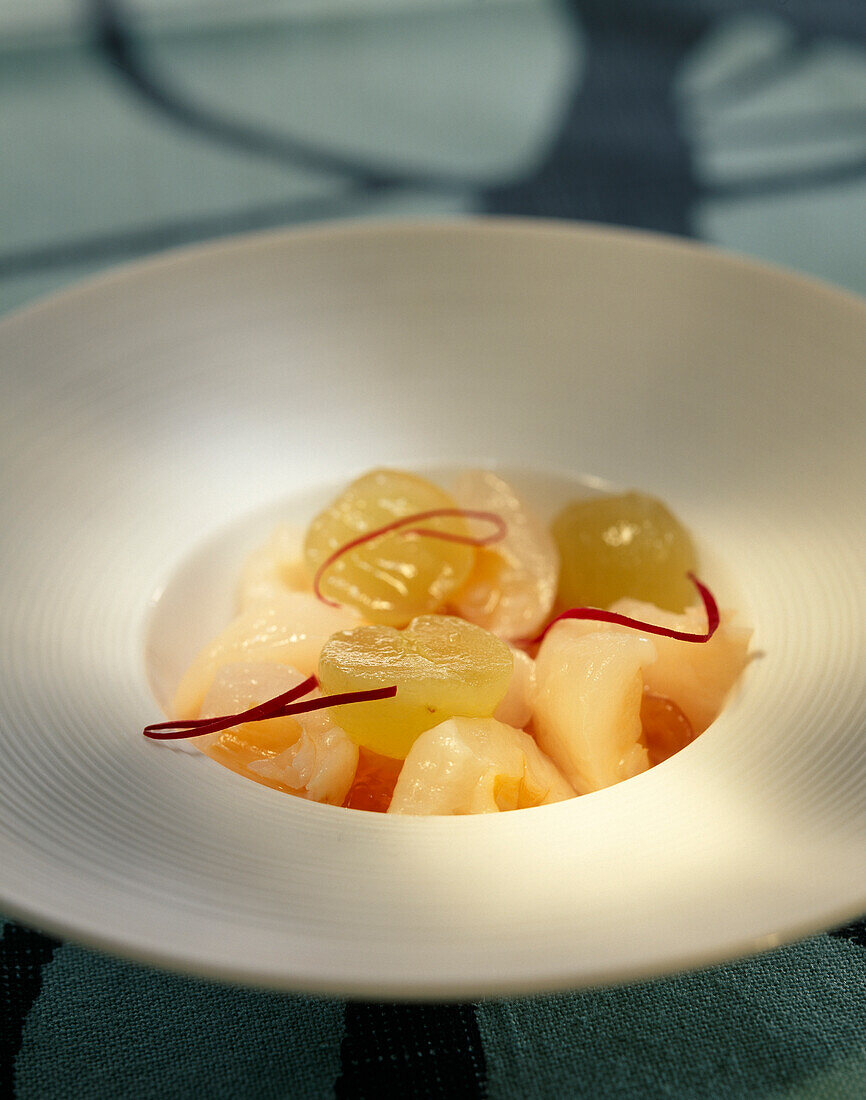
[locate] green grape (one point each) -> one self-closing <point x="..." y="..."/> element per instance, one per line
<point x="442" y="667"/>
<point x="628" y="545"/>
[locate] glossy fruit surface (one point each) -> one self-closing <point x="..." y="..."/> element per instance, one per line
<point x="373" y="785"/>
<point x="306" y="754"/>
<point x="698" y="677"/>
<point x="624" y="546"/>
<point x="586" y="714"/>
<point x="476" y="766"/>
<point x="442" y="667"/>
<point x="290" y="629"/>
<point x="396" y="576"/>
<point x="665" y="729"/>
<point x="513" y="585"/>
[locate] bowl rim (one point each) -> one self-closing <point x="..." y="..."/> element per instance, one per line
<point x="364" y="229"/>
<point x="471" y="223"/>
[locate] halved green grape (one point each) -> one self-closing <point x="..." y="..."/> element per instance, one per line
<point x="629" y="545"/>
<point x="513" y="585"/>
<point x="392" y="578"/>
<point x="442" y="667"/>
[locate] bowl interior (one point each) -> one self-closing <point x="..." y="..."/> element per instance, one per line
<point x="157" y="419"/>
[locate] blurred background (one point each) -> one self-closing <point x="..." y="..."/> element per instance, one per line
<point x="129" y="126"/>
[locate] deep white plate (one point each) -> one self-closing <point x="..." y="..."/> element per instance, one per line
<point x="147" y="411"/>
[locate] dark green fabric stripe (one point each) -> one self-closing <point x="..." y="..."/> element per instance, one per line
<point x="789" y="1024"/>
<point x="23" y="954"/>
<point x="104" y="1029"/>
<point x="432" y="1052"/>
<point x="854" y="933"/>
<point x="645" y="177"/>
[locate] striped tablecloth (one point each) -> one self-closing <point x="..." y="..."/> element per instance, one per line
<point x="129" y="127"/>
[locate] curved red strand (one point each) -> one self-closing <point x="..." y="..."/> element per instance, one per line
<point x="597" y="615"/>
<point x="425" y="532"/>
<point x="281" y="706"/>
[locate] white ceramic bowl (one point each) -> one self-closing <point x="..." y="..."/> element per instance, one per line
<point x="147" y="411"/>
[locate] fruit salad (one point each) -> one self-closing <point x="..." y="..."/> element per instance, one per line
<point x="430" y="650"/>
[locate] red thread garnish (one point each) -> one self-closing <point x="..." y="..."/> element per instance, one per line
<point x="423" y="532"/>
<point x="597" y="615"/>
<point x="281" y="706"/>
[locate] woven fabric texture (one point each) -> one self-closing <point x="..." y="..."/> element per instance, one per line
<point x="741" y="123"/>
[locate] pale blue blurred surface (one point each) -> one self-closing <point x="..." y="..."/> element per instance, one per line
<point x="740" y="123"/>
